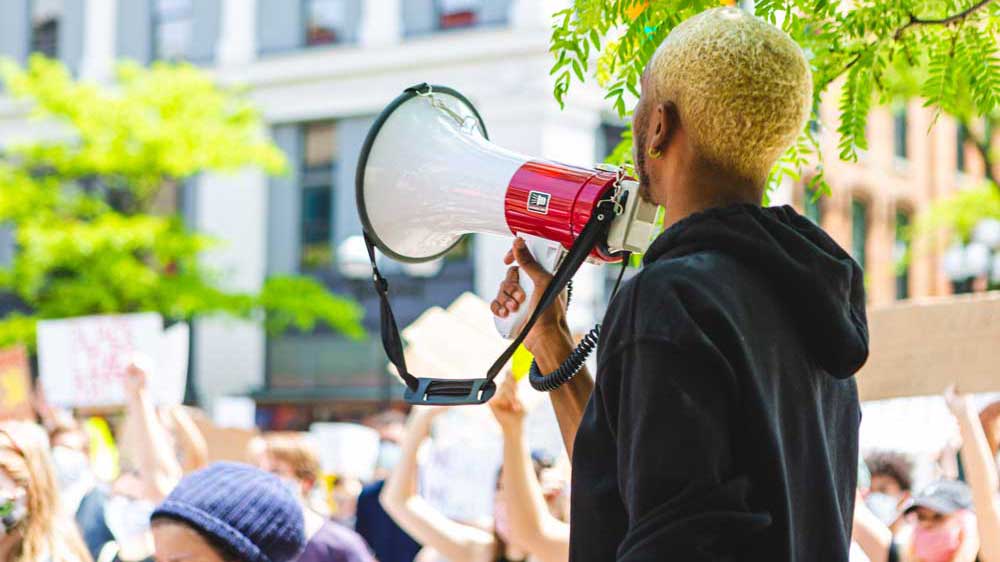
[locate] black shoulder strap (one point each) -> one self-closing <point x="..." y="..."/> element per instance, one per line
<point x="421" y="390"/>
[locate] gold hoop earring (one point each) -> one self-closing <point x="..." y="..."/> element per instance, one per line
<point x="654" y="153"/>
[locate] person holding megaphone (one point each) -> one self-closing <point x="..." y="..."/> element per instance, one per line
<point x="723" y="421"/>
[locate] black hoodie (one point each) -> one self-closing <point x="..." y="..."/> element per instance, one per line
<point x="724" y="422"/>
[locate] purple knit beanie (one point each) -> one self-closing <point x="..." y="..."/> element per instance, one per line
<point x="246" y="509"/>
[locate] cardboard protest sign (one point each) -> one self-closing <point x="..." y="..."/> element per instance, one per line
<point x="346" y="449"/>
<point x="458" y="342"/>
<point x="919" y="348"/>
<point x="224" y="443"/>
<point x="234" y="411"/>
<point x="15" y="385"/>
<point x="82" y="360"/>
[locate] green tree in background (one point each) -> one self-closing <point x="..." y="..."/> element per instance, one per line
<point x="944" y="51"/>
<point x="92" y="206"/>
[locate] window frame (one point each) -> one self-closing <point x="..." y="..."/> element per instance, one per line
<point x="32" y="34"/>
<point x="902" y="275"/>
<point x="342" y="36"/>
<point x="154" y="32"/>
<point x="864" y="203"/>
<point x="309" y="183"/>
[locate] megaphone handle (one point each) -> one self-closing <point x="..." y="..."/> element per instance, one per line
<point x="548" y="254"/>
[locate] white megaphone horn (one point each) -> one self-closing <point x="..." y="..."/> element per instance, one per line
<point x="428" y="175"/>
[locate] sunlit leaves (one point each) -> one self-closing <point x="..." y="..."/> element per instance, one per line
<point x="946" y="52"/>
<point x="91" y="238"/>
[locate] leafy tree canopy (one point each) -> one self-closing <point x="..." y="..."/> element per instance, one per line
<point x="90" y="206"/>
<point x="944" y="51"/>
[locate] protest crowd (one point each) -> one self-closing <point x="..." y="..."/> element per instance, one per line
<point x="167" y="502"/>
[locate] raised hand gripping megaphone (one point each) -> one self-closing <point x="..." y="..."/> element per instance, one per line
<point x="428" y="175"/>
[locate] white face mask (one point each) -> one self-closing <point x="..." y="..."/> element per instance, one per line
<point x="884" y="506"/>
<point x="72" y="466"/>
<point x="128" y="521"/>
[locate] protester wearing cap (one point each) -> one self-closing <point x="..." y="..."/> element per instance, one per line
<point x="943" y="525"/>
<point x="229" y="512"/>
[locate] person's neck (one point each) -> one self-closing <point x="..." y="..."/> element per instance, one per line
<point x="701" y="191"/>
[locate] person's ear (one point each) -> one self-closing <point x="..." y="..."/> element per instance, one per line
<point x="663" y="124"/>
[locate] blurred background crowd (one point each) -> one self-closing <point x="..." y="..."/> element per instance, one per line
<point x="239" y="122"/>
<point x="164" y="500"/>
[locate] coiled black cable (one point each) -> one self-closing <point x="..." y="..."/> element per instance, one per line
<point x="578" y="357"/>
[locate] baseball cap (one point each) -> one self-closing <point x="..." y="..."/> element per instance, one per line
<point x="943" y="496"/>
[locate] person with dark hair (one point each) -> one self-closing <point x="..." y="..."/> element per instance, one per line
<point x="387" y="540"/>
<point x="228" y="512"/>
<point x="891" y="483"/>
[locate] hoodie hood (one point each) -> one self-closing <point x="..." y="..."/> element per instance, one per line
<point x="821" y="285"/>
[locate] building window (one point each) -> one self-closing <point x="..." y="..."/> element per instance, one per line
<point x="608" y="138"/>
<point x="963" y="135"/>
<point x="859" y="231"/>
<point x="456" y="14"/>
<point x="318" y="160"/>
<point x="45" y="17"/>
<point x="173" y="29"/>
<point x="326" y="22"/>
<point x="901" y="250"/>
<point x="814" y="118"/>
<point x="899" y="129"/>
<point x="459" y="14"/>
<point x="811" y="206"/>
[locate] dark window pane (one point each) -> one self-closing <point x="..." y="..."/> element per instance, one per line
<point x="901" y="255"/>
<point x="326" y="22"/>
<point x="45" y="18"/>
<point x="899" y="128"/>
<point x="963" y="135"/>
<point x="609" y="137"/>
<point x="814" y="119"/>
<point x="173" y="28"/>
<point x="317" y="166"/>
<point x="811" y="206"/>
<point x="859" y="231"/>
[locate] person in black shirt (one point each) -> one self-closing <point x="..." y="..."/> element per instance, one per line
<point x="723" y="422"/>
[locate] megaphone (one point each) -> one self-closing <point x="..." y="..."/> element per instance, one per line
<point x="428" y="175"/>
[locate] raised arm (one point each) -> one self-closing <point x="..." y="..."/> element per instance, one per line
<point x="872" y="535"/>
<point x="428" y="526"/>
<point x="981" y="473"/>
<point x="532" y="527"/>
<point x="190" y="440"/>
<point x="158" y="466"/>
<point x="549" y="341"/>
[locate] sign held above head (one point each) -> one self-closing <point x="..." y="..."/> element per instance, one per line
<point x="428" y="175"/>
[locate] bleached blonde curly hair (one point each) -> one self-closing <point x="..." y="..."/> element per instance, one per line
<point x="742" y="87"/>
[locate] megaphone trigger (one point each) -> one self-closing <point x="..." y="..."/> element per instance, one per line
<point x="547" y="254"/>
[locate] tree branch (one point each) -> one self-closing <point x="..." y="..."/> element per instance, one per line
<point x="914" y="20"/>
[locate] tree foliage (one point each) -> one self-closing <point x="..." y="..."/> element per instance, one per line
<point x="86" y="202"/>
<point x="943" y="50"/>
